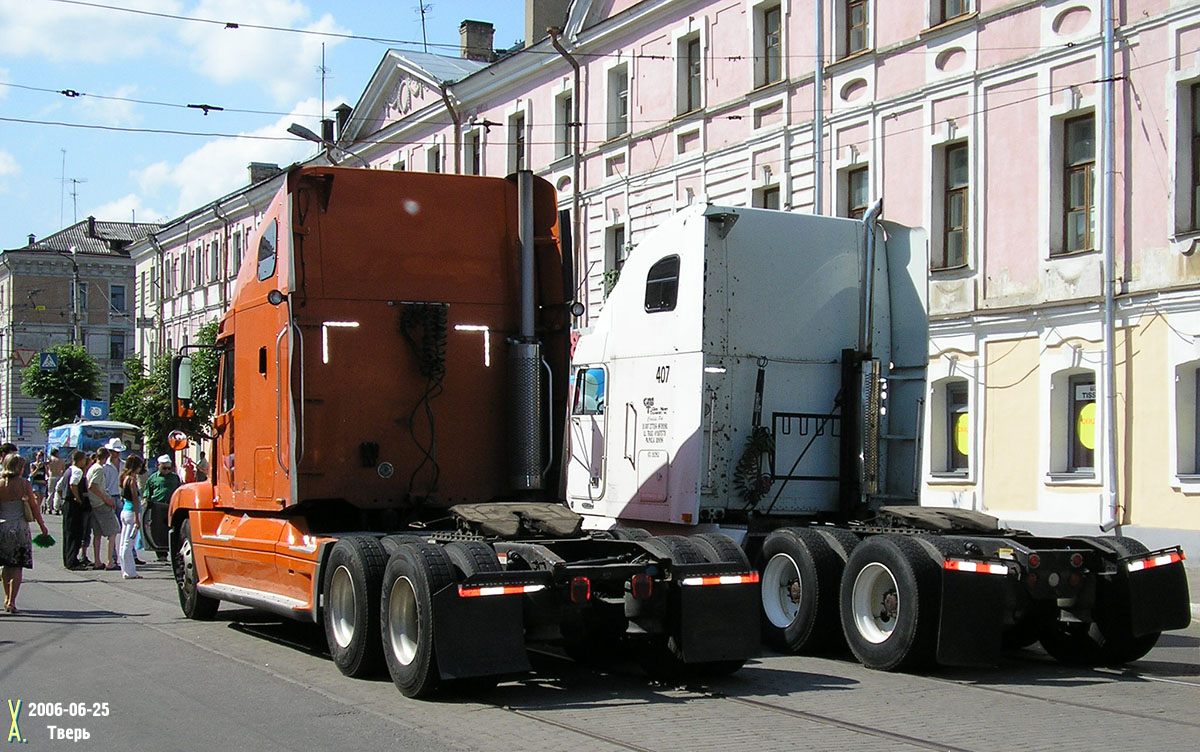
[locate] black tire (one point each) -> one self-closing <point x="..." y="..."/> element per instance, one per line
<point x="352" y="581"/>
<point x="630" y="533"/>
<point x="679" y="549"/>
<point x="183" y="563"/>
<point x="890" y="597"/>
<point x="472" y="557"/>
<point x="720" y="549"/>
<point x="801" y="578"/>
<point x="414" y="573"/>
<point x="1108" y="640"/>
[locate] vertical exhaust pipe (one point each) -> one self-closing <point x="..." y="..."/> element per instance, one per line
<point x="526" y="439"/>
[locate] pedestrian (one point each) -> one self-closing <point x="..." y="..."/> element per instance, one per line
<point x="105" y="524"/>
<point x="89" y="461"/>
<point x="37" y="479"/>
<point x="189" y="469"/>
<point x="6" y="449"/>
<point x="75" y="508"/>
<point x="16" y="546"/>
<point x="131" y="512"/>
<point x="159" y="488"/>
<point x="55" y="468"/>
<point x="202" y="467"/>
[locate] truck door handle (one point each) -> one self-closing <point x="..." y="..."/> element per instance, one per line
<point x="630" y="433"/>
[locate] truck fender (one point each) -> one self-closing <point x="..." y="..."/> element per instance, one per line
<point x="971" y="619"/>
<point x="189" y="496"/>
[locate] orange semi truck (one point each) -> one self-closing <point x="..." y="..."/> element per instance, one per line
<point x="388" y="453"/>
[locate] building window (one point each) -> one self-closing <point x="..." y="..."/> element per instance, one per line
<point x="768" y="46"/>
<point x="948" y="10"/>
<point x="1079" y="207"/>
<point x="214" y="261"/>
<point x="1081" y="424"/>
<point x="237" y="252"/>
<point x="856" y="27"/>
<point x="116" y="347"/>
<point x="958" y="427"/>
<point x="858" y="192"/>
<point x="434" y="158"/>
<point x="1187" y="420"/>
<point x="662" y="285"/>
<point x="516" y="142"/>
<point x="615" y="253"/>
<point x="1194" y="172"/>
<point x="115" y="389"/>
<point x="767" y="198"/>
<point x="116" y="298"/>
<point x="690" y="74"/>
<point x="564" y="117"/>
<point x="474" y="153"/>
<point x="399" y="165"/>
<point x="955" y="208"/>
<point x="618" y="101"/>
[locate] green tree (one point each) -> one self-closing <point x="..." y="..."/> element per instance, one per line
<point x="59" y="392"/>
<point x="146" y="401"/>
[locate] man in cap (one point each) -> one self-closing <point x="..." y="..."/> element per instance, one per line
<point x="159" y="487"/>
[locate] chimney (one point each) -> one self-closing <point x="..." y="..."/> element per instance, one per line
<point x="542" y="14"/>
<point x="32" y="238"/>
<point x="477" y="40"/>
<point x="91" y="231"/>
<point x="260" y="171"/>
<point x="327" y="130"/>
<point x="343" y="111"/>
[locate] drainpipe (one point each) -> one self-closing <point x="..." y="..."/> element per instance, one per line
<point x="224" y="252"/>
<point x="819" y="108"/>
<point x="454" y="116"/>
<point x="1112" y="509"/>
<point x="577" y="126"/>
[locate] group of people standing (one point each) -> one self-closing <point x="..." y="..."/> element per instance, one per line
<point x="98" y="499"/>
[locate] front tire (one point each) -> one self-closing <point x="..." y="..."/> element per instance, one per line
<point x="890" y="598"/>
<point x="183" y="564"/>
<point x="353" y="575"/>
<point x="414" y="573"/>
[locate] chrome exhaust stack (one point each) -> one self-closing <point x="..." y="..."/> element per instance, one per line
<point x="527" y="437"/>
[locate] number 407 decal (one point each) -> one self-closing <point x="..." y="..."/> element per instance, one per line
<point x="664" y="373"/>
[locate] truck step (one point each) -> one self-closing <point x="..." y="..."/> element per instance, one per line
<point x="273" y="602"/>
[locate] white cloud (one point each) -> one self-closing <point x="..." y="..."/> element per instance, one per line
<point x="219" y="167"/>
<point x="284" y="64"/>
<point x="64" y="33"/>
<point x="128" y="208"/>
<point x="110" y="111"/>
<point x="8" y="165"/>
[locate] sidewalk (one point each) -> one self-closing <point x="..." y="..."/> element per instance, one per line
<point x="1193" y="575"/>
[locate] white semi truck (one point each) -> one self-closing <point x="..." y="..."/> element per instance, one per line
<point x="763" y="374"/>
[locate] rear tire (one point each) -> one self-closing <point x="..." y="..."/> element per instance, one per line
<point x="353" y="576"/>
<point x="630" y="534"/>
<point x="414" y="573"/>
<point x="720" y="549"/>
<point x="800" y="582"/>
<point x="183" y="563"/>
<point x="890" y="598"/>
<point x="1108" y="640"/>
<point x="678" y="548"/>
<point x="472" y="557"/>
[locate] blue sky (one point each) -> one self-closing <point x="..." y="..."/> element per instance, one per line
<point x="138" y="71"/>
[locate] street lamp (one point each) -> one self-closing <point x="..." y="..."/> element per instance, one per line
<point x="299" y="130"/>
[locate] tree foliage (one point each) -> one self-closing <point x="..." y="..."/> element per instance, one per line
<point x="146" y="402"/>
<point x="59" y="392"/>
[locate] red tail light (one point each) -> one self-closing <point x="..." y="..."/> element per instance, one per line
<point x="642" y="586"/>
<point x="1035" y="561"/>
<point x="581" y="590"/>
<point x="1077" y="560"/>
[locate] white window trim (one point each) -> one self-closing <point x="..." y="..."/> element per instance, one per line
<point x="519" y="108"/>
<point x="755" y="11"/>
<point x="1182" y="351"/>
<point x="680" y="36"/>
<point x="610" y="103"/>
<point x="1052" y="145"/>
<point x="481" y="134"/>
<point x="1179" y="83"/>
<point x="840" y="21"/>
<point x="563" y="88"/>
<point x="949" y="367"/>
<point x="951" y="137"/>
<point x="1072" y="355"/>
<point x="933" y="13"/>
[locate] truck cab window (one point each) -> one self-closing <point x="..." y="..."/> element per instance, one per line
<point x="267" y="246"/>
<point x="589" y="392"/>
<point x="662" y="285"/>
<point x="226" y="395"/>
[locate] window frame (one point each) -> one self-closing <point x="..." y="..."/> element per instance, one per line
<point x="1194" y="128"/>
<point x="664" y="284"/>
<point x="690" y="74"/>
<point x="114" y="296"/>
<point x="768" y="55"/>
<point x="848" y="26"/>
<point x="857" y="211"/>
<point x="951" y="191"/>
<point x="518" y="154"/>
<point x="618" y="101"/>
<point x="1070" y="168"/>
<point x="564" y="113"/>
<point x="958" y="404"/>
<point x="117" y="350"/>
<point x="1075" y="407"/>
<point x="473" y="152"/>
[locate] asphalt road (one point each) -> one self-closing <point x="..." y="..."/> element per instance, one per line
<point x="91" y="653"/>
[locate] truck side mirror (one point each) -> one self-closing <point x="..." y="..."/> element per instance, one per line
<point x="181" y="387"/>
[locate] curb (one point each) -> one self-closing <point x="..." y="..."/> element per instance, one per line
<point x="1196" y="613"/>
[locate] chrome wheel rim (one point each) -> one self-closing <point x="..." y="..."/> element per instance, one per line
<point x="403" y="628"/>
<point x="343" y="612"/>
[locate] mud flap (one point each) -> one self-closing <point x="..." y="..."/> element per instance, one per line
<point x="972" y="618"/>
<point x="718" y="622"/>
<point x="482" y="636"/>
<point x="1157" y="596"/>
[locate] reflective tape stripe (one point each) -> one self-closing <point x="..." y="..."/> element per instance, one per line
<point x="475" y="592"/>
<point x="1155" y="561"/>
<point x="980" y="567"/>
<point x="727" y="579"/>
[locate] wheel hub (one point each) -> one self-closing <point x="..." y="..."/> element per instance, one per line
<point x="875" y="602"/>
<point x="782" y="591"/>
<point x="343" y="608"/>
<point x="403" y="627"/>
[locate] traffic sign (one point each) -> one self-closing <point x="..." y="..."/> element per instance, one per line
<point x="48" y="361"/>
